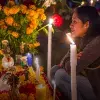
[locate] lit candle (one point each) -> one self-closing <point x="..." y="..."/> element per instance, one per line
<point x="91" y="2"/>
<point x="73" y="63"/>
<point x="49" y="48"/>
<point x="54" y="89"/>
<point x="37" y="69"/>
<point x="41" y="92"/>
<point x="29" y="59"/>
<point x="82" y="3"/>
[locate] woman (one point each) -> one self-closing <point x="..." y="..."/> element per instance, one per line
<point x="85" y="25"/>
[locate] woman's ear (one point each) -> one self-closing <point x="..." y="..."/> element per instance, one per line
<point x="86" y="25"/>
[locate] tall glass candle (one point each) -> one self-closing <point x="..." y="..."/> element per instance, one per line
<point x="73" y="64"/>
<point x="49" y="48"/>
<point x="41" y="92"/>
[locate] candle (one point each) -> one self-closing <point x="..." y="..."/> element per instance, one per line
<point x="49" y="48"/>
<point x="29" y="59"/>
<point x="73" y="63"/>
<point x="41" y="92"/>
<point x="37" y="69"/>
<point x="54" y="90"/>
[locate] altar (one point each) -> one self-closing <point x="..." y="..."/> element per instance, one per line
<point x="17" y="85"/>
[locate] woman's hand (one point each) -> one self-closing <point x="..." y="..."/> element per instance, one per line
<point x="79" y="55"/>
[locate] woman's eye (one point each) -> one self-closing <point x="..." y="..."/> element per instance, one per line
<point x="74" y="22"/>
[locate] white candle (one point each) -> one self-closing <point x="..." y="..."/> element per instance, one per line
<point x="73" y="64"/>
<point x="37" y="69"/>
<point x="54" y="90"/>
<point x="49" y="48"/>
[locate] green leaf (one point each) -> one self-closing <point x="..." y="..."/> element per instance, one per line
<point x="45" y="30"/>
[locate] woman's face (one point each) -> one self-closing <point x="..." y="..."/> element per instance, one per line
<point x="78" y="28"/>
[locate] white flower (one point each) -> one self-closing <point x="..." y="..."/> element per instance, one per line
<point x="5" y="42"/>
<point x="47" y="3"/>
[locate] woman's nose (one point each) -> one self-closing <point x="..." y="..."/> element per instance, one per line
<point x="71" y="25"/>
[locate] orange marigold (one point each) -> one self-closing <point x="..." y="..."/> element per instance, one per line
<point x="40" y="11"/>
<point x="15" y="34"/>
<point x="36" y="44"/>
<point x="33" y="24"/>
<point x="29" y="30"/>
<point x="32" y="7"/>
<point x="31" y="12"/>
<point x="23" y="8"/>
<point x="6" y="10"/>
<point x="14" y="10"/>
<point x="9" y="20"/>
<point x="1" y="52"/>
<point x="43" y="17"/>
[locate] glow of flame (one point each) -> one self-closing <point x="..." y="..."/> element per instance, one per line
<point x="50" y="21"/>
<point x="91" y="2"/>
<point x="82" y="3"/>
<point x="69" y="37"/>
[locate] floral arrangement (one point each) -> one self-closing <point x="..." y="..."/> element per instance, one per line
<point x="21" y="24"/>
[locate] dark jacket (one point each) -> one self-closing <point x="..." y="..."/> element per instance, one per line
<point x="88" y="62"/>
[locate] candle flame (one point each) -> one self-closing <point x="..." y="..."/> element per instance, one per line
<point x="50" y="21"/>
<point x="91" y="2"/>
<point x="69" y="37"/>
<point x="82" y="3"/>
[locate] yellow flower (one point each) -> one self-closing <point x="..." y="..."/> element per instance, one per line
<point x="14" y="10"/>
<point x="1" y="52"/>
<point x="32" y="7"/>
<point x="36" y="44"/>
<point x="43" y="17"/>
<point x="40" y="11"/>
<point x="6" y="10"/>
<point x="15" y="34"/>
<point x="33" y="24"/>
<point x="29" y="30"/>
<point x="23" y="8"/>
<point x="31" y="12"/>
<point x="9" y="20"/>
<point x="21" y="78"/>
<point x="30" y="45"/>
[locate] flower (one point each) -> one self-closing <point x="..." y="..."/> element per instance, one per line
<point x="9" y="20"/>
<point x="58" y="20"/>
<point x="5" y="42"/>
<point x="15" y="34"/>
<point x="21" y="23"/>
<point x="28" y="88"/>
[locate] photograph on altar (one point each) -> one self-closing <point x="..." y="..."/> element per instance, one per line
<point x="49" y="50"/>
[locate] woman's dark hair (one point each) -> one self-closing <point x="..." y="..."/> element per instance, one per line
<point x="89" y="13"/>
